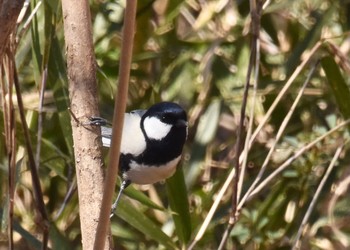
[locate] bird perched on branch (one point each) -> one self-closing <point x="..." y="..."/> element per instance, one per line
<point x="151" y="146"/>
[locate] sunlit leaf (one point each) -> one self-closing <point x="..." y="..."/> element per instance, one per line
<point x="138" y="220"/>
<point x="178" y="201"/>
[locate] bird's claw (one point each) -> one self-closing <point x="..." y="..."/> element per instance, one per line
<point x="96" y="121"/>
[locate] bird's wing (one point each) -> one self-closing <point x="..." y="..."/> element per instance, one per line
<point x="106" y="133"/>
<point x="139" y="112"/>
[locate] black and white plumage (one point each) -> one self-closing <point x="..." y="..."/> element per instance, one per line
<point x="152" y="143"/>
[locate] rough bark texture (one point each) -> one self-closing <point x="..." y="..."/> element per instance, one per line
<point x="9" y="11"/>
<point x="83" y="96"/>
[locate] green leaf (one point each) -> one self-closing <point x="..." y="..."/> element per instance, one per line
<point x="141" y="197"/>
<point x="58" y="240"/>
<point x="208" y="123"/>
<point x="337" y="84"/>
<point x="36" y="46"/>
<point x="57" y="79"/>
<point x="138" y="220"/>
<point x="206" y="131"/>
<point x="178" y="201"/>
<point x="312" y="36"/>
<point x="31" y="239"/>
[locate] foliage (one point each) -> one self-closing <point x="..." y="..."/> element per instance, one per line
<point x="196" y="53"/>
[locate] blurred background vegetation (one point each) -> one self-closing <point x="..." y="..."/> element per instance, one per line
<point x="197" y="53"/>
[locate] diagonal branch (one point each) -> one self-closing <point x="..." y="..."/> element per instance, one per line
<point x="118" y="120"/>
<point x="255" y="10"/>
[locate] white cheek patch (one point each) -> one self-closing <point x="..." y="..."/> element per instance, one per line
<point x="156" y="129"/>
<point x="141" y="174"/>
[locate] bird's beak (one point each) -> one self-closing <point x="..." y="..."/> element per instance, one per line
<point x="181" y="123"/>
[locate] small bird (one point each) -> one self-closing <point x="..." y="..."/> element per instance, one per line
<point x="151" y="146"/>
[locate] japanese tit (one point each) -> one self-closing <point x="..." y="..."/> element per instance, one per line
<point x="152" y="143"/>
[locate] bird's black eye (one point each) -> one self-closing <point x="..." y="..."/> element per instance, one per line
<point x="165" y="118"/>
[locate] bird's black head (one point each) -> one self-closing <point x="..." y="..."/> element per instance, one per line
<point x="165" y="128"/>
<point x="168" y="113"/>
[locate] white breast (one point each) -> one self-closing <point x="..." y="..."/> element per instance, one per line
<point x="141" y="174"/>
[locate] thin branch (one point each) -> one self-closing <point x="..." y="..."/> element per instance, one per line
<point x="28" y="21"/>
<point x="283" y="92"/>
<point x="11" y="152"/>
<point x="23" y="11"/>
<point x="40" y="116"/>
<point x="12" y="172"/>
<point x="10" y="141"/>
<point x="341" y="189"/>
<point x="231" y="175"/>
<point x="279" y="135"/>
<point x="118" y="121"/>
<point x="288" y="162"/>
<point x="296" y="244"/>
<point x="251" y="122"/>
<point x="255" y="12"/>
<point x="71" y="190"/>
<point x="38" y="195"/>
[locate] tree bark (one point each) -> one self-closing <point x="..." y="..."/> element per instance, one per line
<point x="9" y="11"/>
<point x="81" y="66"/>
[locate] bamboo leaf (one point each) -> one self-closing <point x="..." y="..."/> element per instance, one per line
<point x="310" y="39"/>
<point x="142" y="198"/>
<point x="178" y="201"/>
<point x="337" y="84"/>
<point x="138" y="220"/>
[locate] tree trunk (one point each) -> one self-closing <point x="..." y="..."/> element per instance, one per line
<point x="81" y="66"/>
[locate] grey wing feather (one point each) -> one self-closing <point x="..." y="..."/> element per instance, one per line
<point x="106" y="136"/>
<point x="139" y="112"/>
<point x="106" y="132"/>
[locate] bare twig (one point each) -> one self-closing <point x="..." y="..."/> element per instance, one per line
<point x="278" y="135"/>
<point x="12" y="171"/>
<point x="255" y="11"/>
<point x="43" y="221"/>
<point x="8" y="19"/>
<point x="284" y="91"/>
<point x="23" y="11"/>
<point x="297" y="154"/>
<point x="251" y="122"/>
<point x="231" y="175"/>
<point x="40" y="116"/>
<point x="9" y="133"/>
<point x="296" y="244"/>
<point x="9" y="11"/>
<point x="71" y="190"/>
<point x="28" y="21"/>
<point x="341" y="189"/>
<point x="118" y="120"/>
<point x="212" y="210"/>
<point x="74" y="117"/>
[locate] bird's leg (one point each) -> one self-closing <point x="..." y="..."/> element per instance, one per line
<point x="124" y="184"/>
